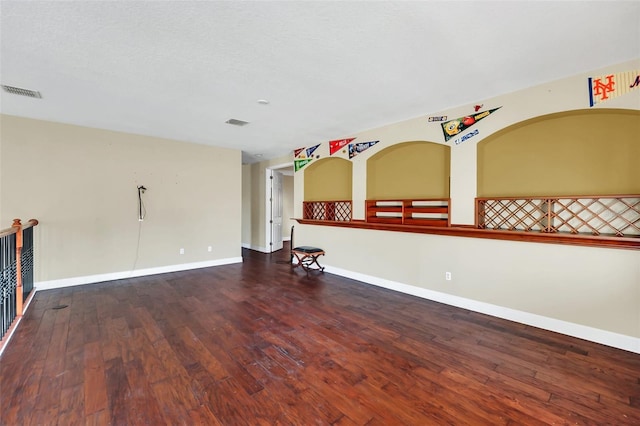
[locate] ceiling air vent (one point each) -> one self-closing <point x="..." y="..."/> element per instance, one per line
<point x="236" y="122"/>
<point x="22" y="92"/>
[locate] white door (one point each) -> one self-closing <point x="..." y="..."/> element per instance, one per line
<point x="276" y="211"/>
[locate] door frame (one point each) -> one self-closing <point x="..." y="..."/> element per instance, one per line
<point x="267" y="221"/>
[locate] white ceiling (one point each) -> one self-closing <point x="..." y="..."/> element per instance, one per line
<point x="180" y="69"/>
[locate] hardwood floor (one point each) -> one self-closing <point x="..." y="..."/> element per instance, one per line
<point x="261" y="344"/>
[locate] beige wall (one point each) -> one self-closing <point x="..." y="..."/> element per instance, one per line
<point x="81" y="184"/>
<point x="589" y="287"/>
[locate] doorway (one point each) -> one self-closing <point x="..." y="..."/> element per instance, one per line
<point x="279" y="205"/>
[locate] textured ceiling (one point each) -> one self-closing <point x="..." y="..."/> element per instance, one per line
<point x="180" y="69"/>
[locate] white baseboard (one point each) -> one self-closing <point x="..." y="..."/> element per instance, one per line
<point x="620" y="341"/>
<point x="7" y="337"/>
<point x="90" y="279"/>
<point x="256" y="248"/>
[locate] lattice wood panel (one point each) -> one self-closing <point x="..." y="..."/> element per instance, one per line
<point x="327" y="210"/>
<point x="514" y="215"/>
<point x="595" y="215"/>
<point x="342" y="211"/>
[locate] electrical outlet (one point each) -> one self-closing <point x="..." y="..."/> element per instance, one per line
<point x="181" y="251"/>
<point x="447" y="276"/>
<point x="209" y="248"/>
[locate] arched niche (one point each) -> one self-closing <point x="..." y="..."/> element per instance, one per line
<point x="582" y="152"/>
<point x="328" y="179"/>
<point x="409" y="170"/>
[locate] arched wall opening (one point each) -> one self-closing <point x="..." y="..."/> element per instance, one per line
<point x="409" y="170"/>
<point x="581" y="152"/>
<point x="328" y="179"/>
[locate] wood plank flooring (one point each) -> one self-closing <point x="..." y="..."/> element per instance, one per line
<point x="261" y="344"/>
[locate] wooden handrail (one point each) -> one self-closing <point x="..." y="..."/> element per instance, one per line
<point x="30" y="224"/>
<point x="17" y="226"/>
<point x="8" y="231"/>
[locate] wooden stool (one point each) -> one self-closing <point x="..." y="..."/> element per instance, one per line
<point x="308" y="258"/>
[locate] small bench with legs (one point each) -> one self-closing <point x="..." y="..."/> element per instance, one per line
<point x="306" y="256"/>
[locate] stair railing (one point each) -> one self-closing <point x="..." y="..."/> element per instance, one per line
<point x="16" y="274"/>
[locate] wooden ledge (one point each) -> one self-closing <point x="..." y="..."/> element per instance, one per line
<point x="631" y="243"/>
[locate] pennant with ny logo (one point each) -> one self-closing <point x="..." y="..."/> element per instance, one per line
<point x="605" y="87"/>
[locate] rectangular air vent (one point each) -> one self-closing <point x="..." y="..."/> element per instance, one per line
<point x="236" y="122"/>
<point x="22" y="92"/>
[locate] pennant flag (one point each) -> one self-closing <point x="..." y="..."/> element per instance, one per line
<point x="360" y="147"/>
<point x="311" y="150"/>
<point x="605" y="87"/>
<point x="452" y="127"/>
<point x="297" y="152"/>
<point x="298" y="164"/>
<point x="338" y="144"/>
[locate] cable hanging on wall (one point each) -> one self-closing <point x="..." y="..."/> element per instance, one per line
<point x="142" y="211"/>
